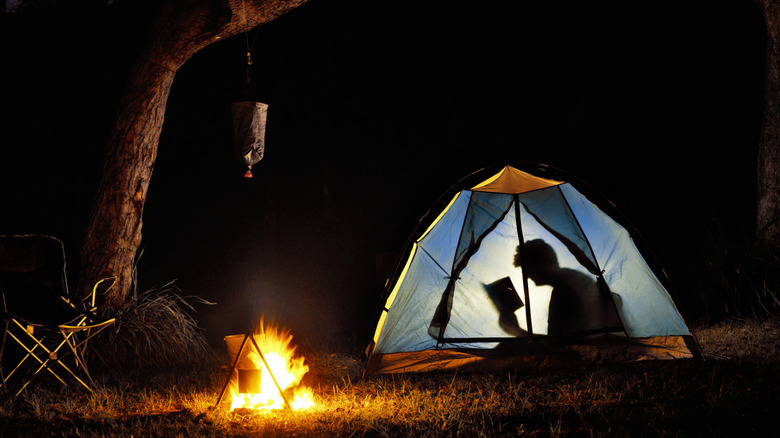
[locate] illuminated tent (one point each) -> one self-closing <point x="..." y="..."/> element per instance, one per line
<point x="469" y="295"/>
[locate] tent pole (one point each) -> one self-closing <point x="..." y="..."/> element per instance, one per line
<point x="521" y="247"/>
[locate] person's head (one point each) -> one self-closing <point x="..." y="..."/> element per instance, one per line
<point x="541" y="263"/>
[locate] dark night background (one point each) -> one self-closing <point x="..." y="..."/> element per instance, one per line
<point x="376" y="109"/>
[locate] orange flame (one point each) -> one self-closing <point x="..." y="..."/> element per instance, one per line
<point x="287" y="370"/>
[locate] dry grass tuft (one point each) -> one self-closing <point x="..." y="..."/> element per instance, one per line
<point x="153" y="329"/>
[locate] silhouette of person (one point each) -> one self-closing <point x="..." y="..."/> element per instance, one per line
<point x="577" y="303"/>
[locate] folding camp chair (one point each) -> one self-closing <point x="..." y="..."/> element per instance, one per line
<point x="45" y="330"/>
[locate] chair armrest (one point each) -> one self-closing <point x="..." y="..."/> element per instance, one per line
<point x="107" y="287"/>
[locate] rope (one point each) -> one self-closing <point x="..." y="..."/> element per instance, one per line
<point x="246" y="33"/>
<point x="249" y="47"/>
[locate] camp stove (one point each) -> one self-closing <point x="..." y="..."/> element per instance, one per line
<point x="264" y="374"/>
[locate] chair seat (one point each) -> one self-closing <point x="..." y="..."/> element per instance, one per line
<point x="51" y="320"/>
<point x="68" y="326"/>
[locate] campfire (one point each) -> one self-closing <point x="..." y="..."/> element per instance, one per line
<point x="271" y="378"/>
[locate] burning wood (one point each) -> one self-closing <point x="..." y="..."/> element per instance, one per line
<point x="268" y="379"/>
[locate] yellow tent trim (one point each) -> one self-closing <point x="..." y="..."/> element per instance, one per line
<point x="433" y="224"/>
<point x="392" y="295"/>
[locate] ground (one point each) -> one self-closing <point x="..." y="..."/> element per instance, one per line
<point x="734" y="391"/>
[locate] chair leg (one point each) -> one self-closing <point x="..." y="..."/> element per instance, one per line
<point x="31" y="353"/>
<point x="78" y="347"/>
<point x="2" y="350"/>
<point x="48" y="367"/>
<point x="43" y="363"/>
<point x="45" y="346"/>
<point x="80" y="362"/>
<point x="75" y="349"/>
<point x="48" y="362"/>
<point x="58" y="360"/>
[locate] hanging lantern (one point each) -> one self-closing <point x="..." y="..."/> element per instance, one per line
<point x="249" y="119"/>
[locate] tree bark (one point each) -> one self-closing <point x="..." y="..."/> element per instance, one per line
<point x="768" y="184"/>
<point x="182" y="27"/>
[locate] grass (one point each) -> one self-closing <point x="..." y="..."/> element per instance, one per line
<point x="153" y="328"/>
<point x="734" y="392"/>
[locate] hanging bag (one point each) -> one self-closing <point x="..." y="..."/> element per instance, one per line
<point x="249" y="119"/>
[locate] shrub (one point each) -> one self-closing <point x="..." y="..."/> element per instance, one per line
<point x="153" y="329"/>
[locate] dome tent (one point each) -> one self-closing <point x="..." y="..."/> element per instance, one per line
<point x="524" y="270"/>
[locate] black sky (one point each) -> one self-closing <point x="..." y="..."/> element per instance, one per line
<point x="376" y="108"/>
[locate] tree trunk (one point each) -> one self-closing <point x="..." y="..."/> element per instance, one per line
<point x="768" y="207"/>
<point x="181" y="29"/>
